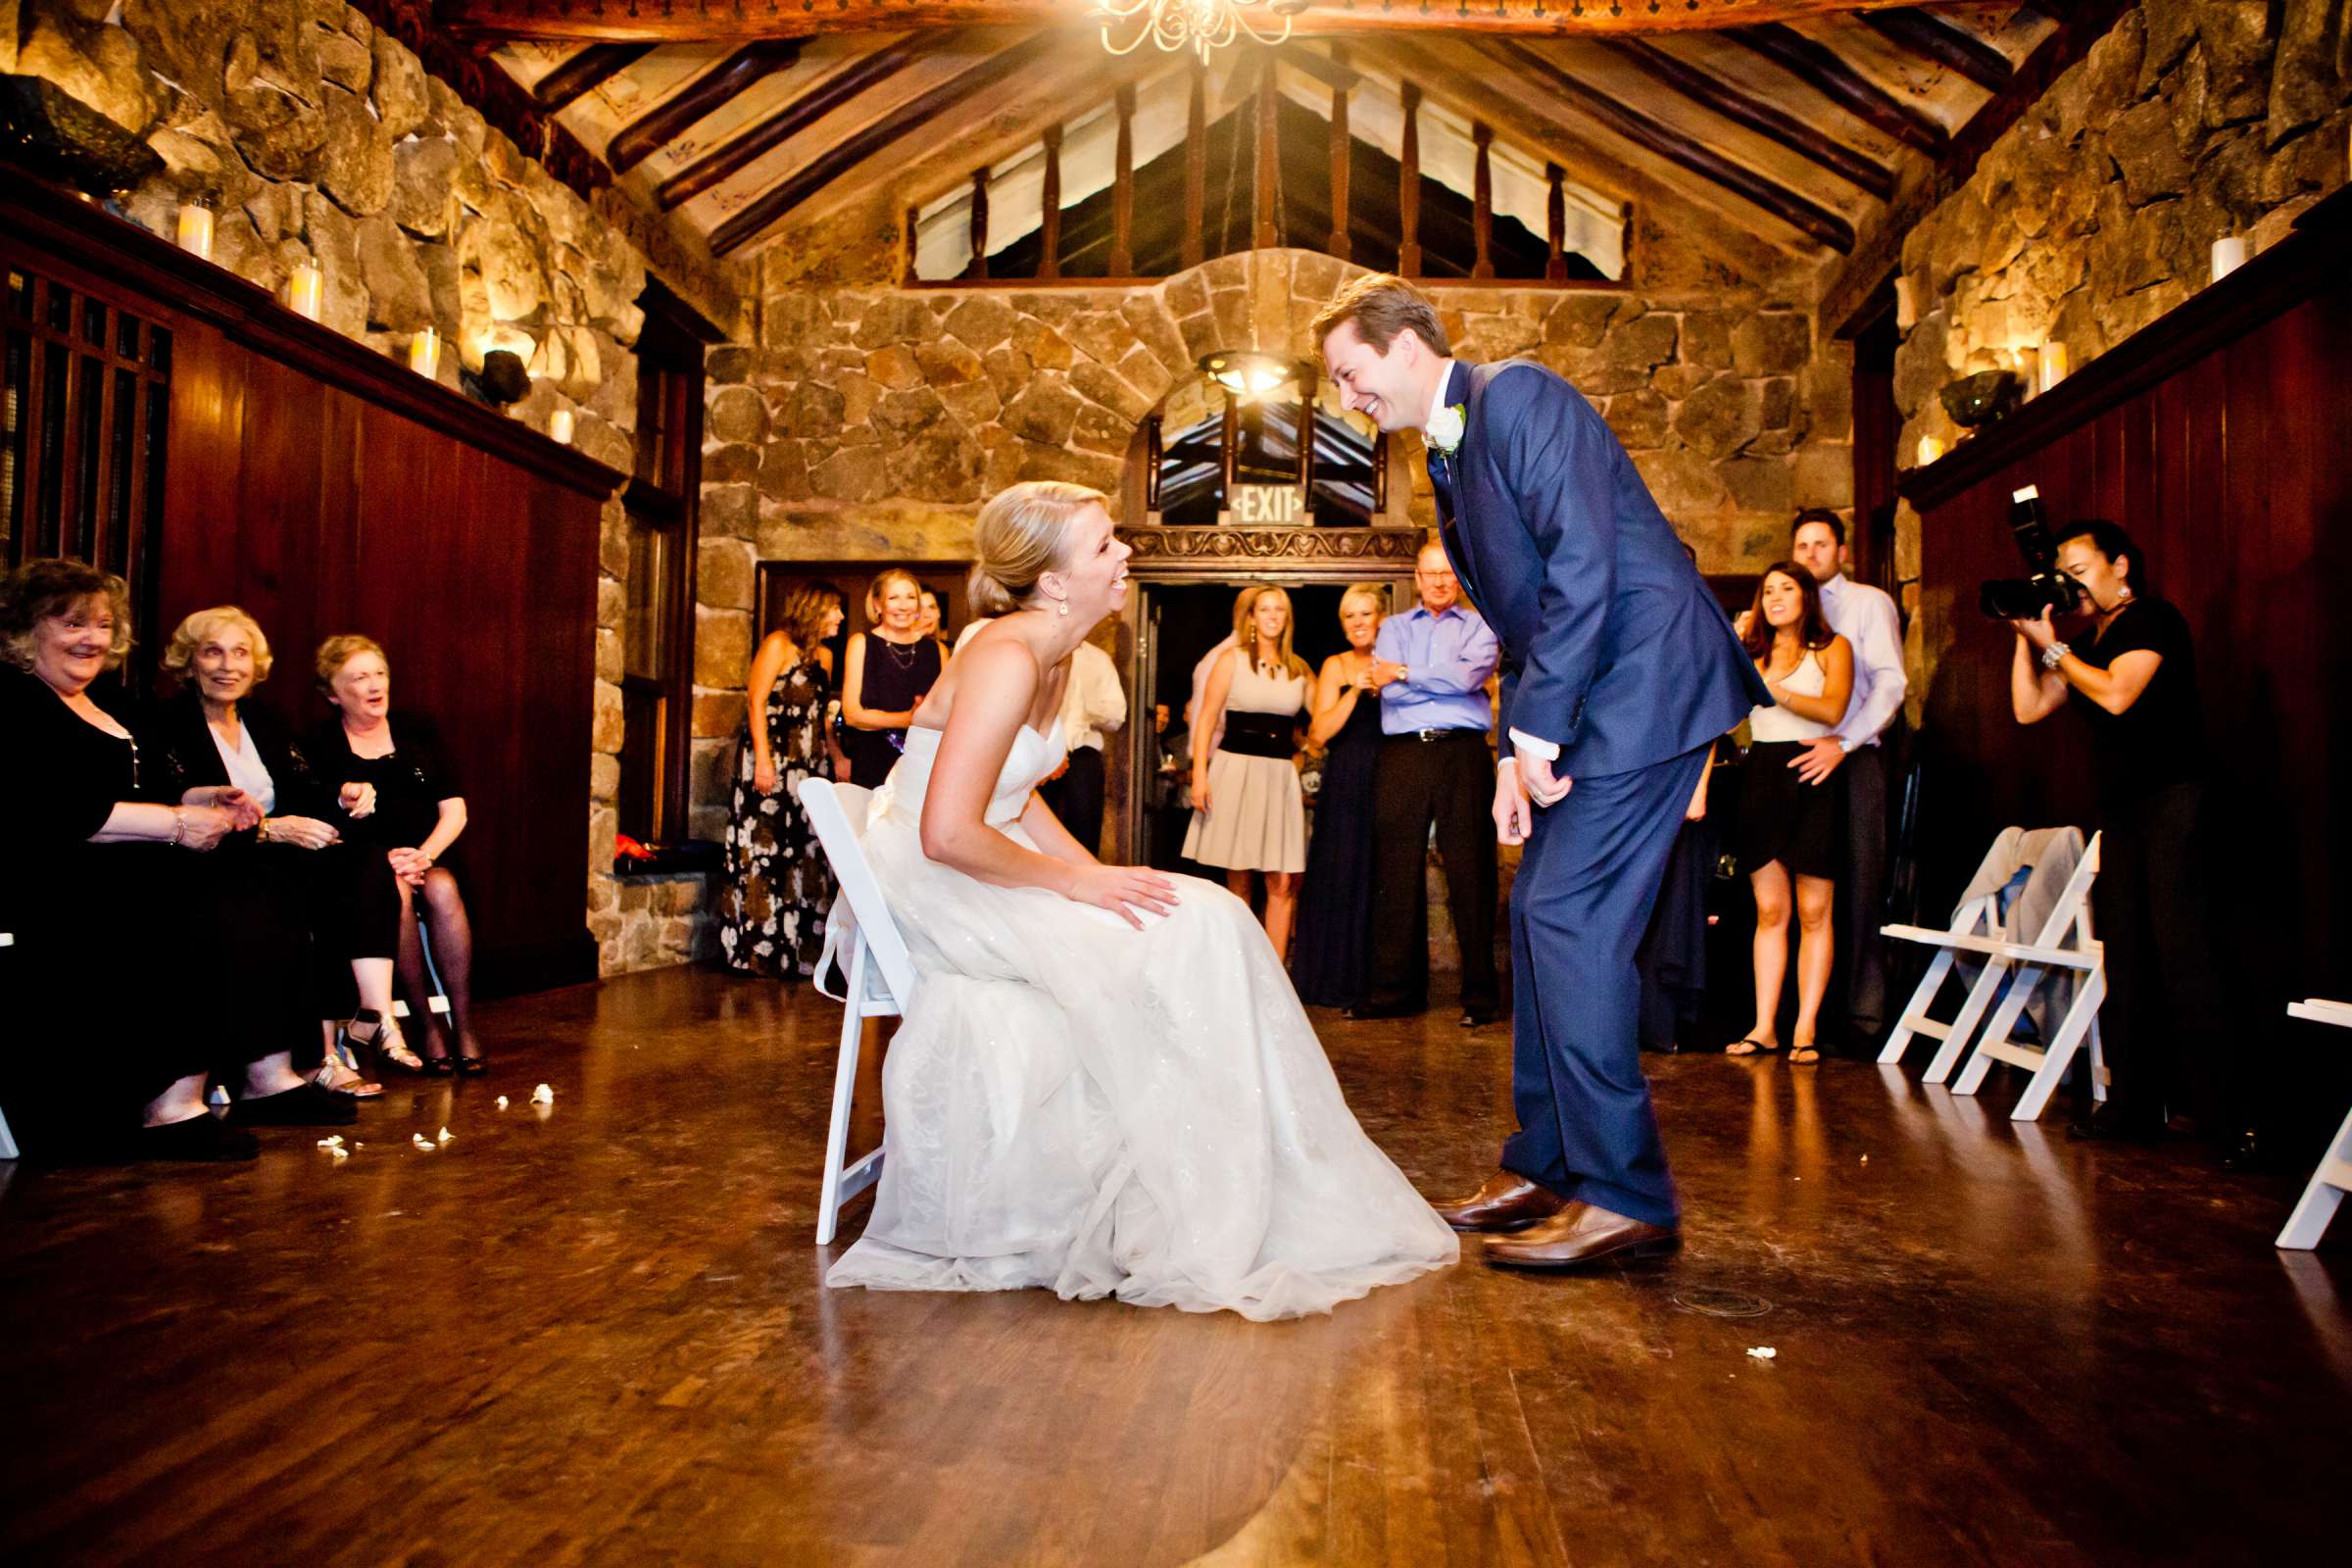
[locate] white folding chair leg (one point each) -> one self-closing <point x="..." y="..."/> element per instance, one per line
<point x="2004" y="1018"/>
<point x="2328" y="1184"/>
<point x="841" y="1184"/>
<point x="1964" y="1024"/>
<point x="8" y="1141"/>
<point x="1914" y="1019"/>
<point x="2081" y="1022"/>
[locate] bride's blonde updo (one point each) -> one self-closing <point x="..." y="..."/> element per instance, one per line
<point x="1019" y="538"/>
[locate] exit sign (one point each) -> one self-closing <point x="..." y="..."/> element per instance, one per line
<point x="1265" y="504"/>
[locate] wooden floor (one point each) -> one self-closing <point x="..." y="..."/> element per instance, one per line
<point x="596" y="1333"/>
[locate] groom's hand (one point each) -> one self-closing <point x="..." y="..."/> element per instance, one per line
<point x="1534" y="773"/>
<point x="1514" y="817"/>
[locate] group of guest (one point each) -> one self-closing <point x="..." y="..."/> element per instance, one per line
<point x="197" y="848"/>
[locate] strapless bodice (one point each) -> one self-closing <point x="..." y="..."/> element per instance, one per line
<point x="1032" y="758"/>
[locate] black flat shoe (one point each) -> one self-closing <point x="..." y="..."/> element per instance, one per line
<point x="439" y="1067"/>
<point x="199" y="1137"/>
<point x="473" y="1066"/>
<point x="307" y="1105"/>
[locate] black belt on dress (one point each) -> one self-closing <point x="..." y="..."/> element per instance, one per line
<point x="1428" y="735"/>
<point x="1259" y="734"/>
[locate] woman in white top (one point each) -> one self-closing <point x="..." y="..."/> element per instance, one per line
<point x="1789" y="828"/>
<point x="1104" y="1084"/>
<point x="1248" y="812"/>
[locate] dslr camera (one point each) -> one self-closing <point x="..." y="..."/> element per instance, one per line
<point x="2044" y="586"/>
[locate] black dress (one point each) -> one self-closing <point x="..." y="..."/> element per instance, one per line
<point x="897" y="675"/>
<point x="772" y="911"/>
<point x="410" y="781"/>
<point x="1331" y="957"/>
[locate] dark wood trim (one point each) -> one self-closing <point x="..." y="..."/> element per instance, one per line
<point x="820" y="100"/>
<point x="2311" y="259"/>
<point x="1799" y="212"/>
<point x="60" y="223"/>
<point x="779" y="201"/>
<point x="1343" y="162"/>
<point x="1947" y="44"/>
<point x="1264" y="188"/>
<point x="1122" y="186"/>
<point x="514" y="971"/>
<point x="584" y="73"/>
<point x="667" y="119"/>
<point x="976" y="268"/>
<point x="1408" y="187"/>
<point x="1844" y="304"/>
<point x="1049" y="224"/>
<point x="1481" y="200"/>
<point x="1195" y="164"/>
<point x="1826" y="72"/>
<point x="1754" y="113"/>
<point x="1555" y="224"/>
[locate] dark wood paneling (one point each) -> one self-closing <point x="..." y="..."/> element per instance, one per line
<point x="327" y="489"/>
<point x="2234" y="469"/>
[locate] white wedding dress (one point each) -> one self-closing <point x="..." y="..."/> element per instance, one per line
<point x="1075" y="1104"/>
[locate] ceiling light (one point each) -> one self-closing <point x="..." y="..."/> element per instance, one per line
<point x="1196" y="24"/>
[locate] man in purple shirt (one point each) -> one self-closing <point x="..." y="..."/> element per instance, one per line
<point x="1430" y="666"/>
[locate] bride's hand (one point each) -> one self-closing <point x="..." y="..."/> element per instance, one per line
<point x="1124" y="889"/>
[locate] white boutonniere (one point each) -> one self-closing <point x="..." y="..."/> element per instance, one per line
<point x="1444" y="431"/>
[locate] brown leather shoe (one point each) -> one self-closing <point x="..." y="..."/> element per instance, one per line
<point x="1580" y="1235"/>
<point x="1505" y="1202"/>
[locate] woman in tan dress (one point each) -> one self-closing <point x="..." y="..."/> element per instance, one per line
<point x="1248" y="812"/>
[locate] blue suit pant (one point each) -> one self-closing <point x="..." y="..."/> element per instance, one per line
<point x="1588" y="878"/>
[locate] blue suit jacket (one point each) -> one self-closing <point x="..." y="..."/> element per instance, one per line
<point x="1612" y="645"/>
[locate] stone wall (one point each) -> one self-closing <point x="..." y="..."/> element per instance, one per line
<point x="870" y="424"/>
<point x="317" y="139"/>
<point x="2097" y="211"/>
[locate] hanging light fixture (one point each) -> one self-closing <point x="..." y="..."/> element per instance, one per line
<point x="1196" y="24"/>
<point x="1249" y="374"/>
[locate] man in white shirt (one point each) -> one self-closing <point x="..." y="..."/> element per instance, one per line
<point x="1865" y="617"/>
<point x="1092" y="704"/>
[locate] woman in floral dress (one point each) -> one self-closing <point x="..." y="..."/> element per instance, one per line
<point x="772" y="913"/>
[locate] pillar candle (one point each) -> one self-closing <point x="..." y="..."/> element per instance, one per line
<point x="196" y="229"/>
<point x="304" y="290"/>
<point x="558" y="426"/>
<point x="1930" y="449"/>
<point x="2053" y="365"/>
<point x="424" y="353"/>
<point x="2229" y="255"/>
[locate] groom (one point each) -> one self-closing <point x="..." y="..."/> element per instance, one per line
<point x="1619" y="671"/>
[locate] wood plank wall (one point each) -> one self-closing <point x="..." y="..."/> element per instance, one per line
<point x="2234" y="469"/>
<point x="327" y="489"/>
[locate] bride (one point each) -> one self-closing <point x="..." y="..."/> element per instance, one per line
<point x="1104" y="1083"/>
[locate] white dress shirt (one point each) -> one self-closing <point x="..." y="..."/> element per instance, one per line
<point x="246" y="770"/>
<point x="1866" y="619"/>
<point x="1091" y="700"/>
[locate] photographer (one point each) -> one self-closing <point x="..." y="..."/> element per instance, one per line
<point x="2135" y="681"/>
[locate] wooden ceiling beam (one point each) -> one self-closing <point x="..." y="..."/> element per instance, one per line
<point x="736" y="21"/>
<point x="585" y="71"/>
<point x="1741" y="109"/>
<point x="669" y="119"/>
<point x="725" y="162"/>
<point x="1822" y="68"/>
<point x="1797" y="211"/>
<point x="779" y="201"/>
<point x="1947" y="44"/>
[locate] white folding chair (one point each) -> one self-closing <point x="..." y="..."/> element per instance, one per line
<point x="1979" y="917"/>
<point x="2064" y="946"/>
<point x="2328" y="1184"/>
<point x="879" y="969"/>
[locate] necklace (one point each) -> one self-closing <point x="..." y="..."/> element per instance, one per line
<point x="904" y="656"/>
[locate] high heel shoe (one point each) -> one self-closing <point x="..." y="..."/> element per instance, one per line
<point x="472" y="1066"/>
<point x="391" y="1049"/>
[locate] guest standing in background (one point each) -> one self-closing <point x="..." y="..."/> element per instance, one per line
<point x="890" y="667"/>
<point x="1093" y="705"/>
<point x="1789" y="825"/>
<point x="1200" y="668"/>
<point x="84" y="1055"/>
<point x="1249" y="813"/>
<point x="1430" y="666"/>
<point x="419" y="814"/>
<point x="931" y="619"/>
<point x="772" y="911"/>
<point x="1331" y="965"/>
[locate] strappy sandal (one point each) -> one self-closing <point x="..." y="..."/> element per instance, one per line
<point x="339" y="1074"/>
<point x="1748" y="1048"/>
<point x="391" y="1049"/>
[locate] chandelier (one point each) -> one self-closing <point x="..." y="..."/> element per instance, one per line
<point x="1196" y="24"/>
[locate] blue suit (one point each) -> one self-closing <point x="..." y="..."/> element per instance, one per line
<point x="1612" y="648"/>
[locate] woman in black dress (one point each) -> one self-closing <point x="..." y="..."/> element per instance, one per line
<point x="772" y="911"/>
<point x="891" y="668"/>
<point x="419" y="811"/>
<point x="292" y="903"/>
<point x="1790" y="830"/>
<point x="1331" y="958"/>
<point x="102" y="963"/>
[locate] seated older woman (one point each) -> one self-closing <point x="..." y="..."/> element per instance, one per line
<point x="419" y="811"/>
<point x="91" y="901"/>
<point x="290" y="899"/>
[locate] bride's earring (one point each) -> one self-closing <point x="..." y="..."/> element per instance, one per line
<point x="1061" y="606"/>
